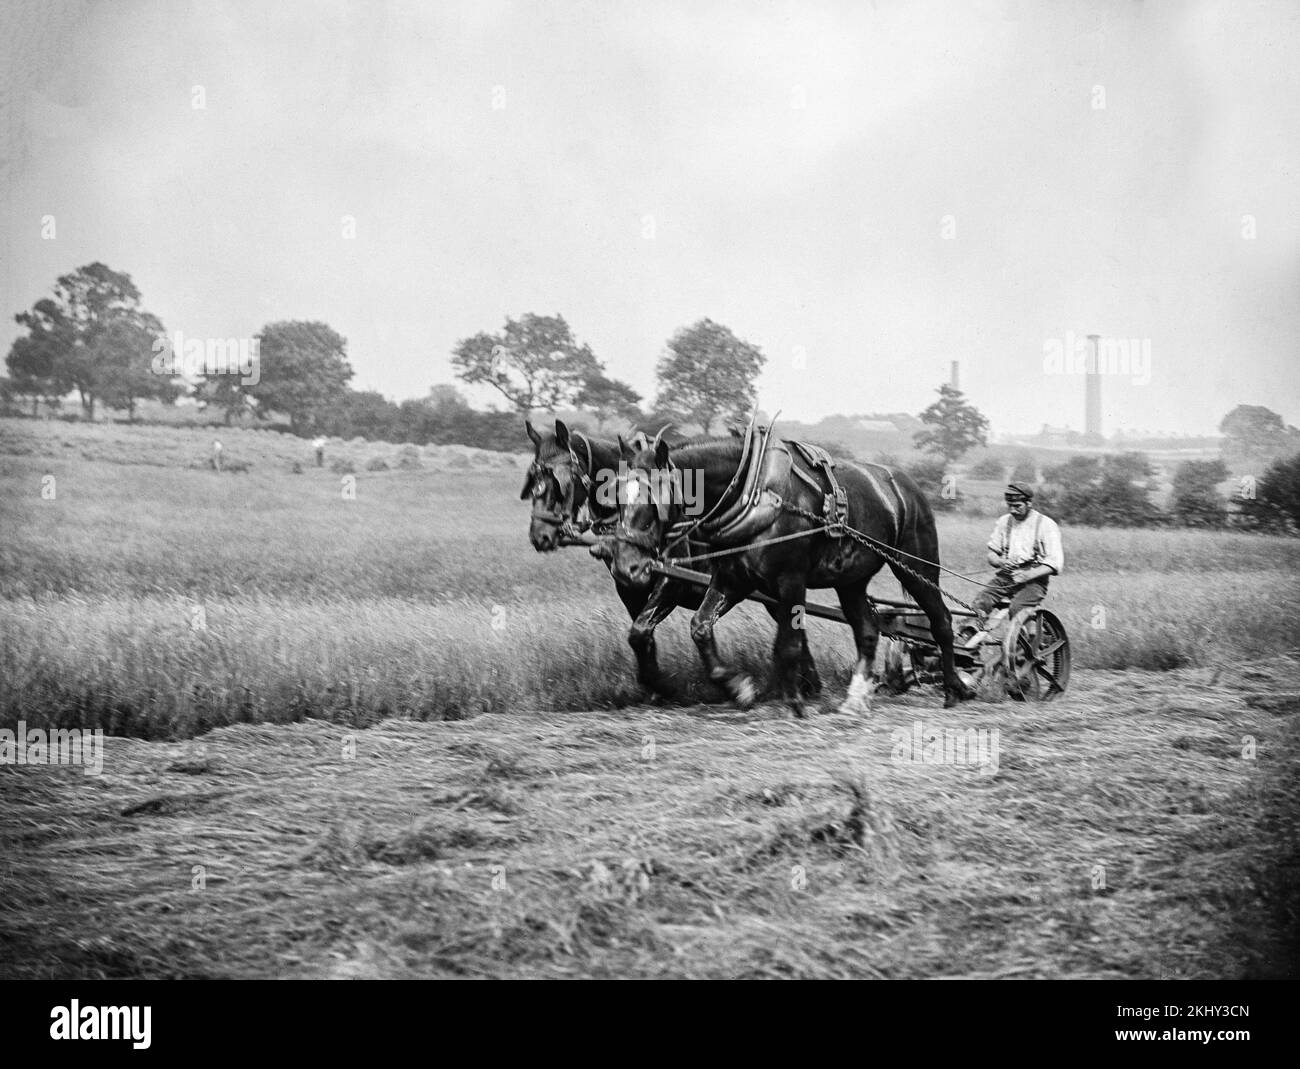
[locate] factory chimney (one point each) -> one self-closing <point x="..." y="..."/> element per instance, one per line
<point x="956" y="384"/>
<point x="1092" y="389"/>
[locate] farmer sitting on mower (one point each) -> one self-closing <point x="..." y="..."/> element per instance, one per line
<point x="1025" y="548"/>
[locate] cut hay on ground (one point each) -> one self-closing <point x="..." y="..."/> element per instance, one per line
<point x="1124" y="834"/>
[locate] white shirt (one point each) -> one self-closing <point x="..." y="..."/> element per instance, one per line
<point x="1036" y="537"/>
<point x="319" y="443"/>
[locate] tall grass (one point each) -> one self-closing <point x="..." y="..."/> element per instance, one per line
<point x="161" y="601"/>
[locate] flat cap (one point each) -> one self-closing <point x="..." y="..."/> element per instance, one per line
<point x="1020" y="490"/>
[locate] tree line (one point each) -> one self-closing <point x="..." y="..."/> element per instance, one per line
<point x="1114" y="489"/>
<point x="93" y="337"/>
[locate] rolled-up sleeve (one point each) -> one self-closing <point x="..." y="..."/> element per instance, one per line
<point x="1053" y="551"/>
<point x="995" y="539"/>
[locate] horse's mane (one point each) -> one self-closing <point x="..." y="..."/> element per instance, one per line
<point x="700" y="439"/>
<point x="694" y="451"/>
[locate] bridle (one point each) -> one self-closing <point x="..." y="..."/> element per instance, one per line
<point x="668" y="511"/>
<point x="676" y="529"/>
<point x="562" y="474"/>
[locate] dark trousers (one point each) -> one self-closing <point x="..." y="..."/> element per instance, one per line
<point x="320" y="458"/>
<point x="1021" y="595"/>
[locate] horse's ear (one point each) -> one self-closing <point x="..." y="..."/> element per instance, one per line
<point x="626" y="451"/>
<point x="661" y="454"/>
<point x="532" y="433"/>
<point x="562" y="434"/>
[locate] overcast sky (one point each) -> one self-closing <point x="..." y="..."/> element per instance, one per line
<point x="783" y="168"/>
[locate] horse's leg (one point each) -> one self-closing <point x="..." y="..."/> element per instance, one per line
<point x="719" y="600"/>
<point x="790" y="642"/>
<point x="648" y="611"/>
<point x="857" y="610"/>
<point x="810" y="682"/>
<point x="931" y="602"/>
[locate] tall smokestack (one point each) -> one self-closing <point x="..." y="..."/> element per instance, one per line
<point x="1092" y="389"/>
<point x="956" y="384"/>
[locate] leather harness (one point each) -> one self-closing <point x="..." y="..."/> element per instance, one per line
<point x="749" y="505"/>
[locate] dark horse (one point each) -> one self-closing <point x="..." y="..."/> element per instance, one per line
<point x="568" y="469"/>
<point x="887" y="506"/>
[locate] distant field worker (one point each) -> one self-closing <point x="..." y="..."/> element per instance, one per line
<point x="319" y="443"/>
<point x="216" y="453"/>
<point x="1025" y="548"/>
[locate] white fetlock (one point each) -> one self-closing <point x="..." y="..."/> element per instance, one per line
<point x="746" y="692"/>
<point x="858" y="701"/>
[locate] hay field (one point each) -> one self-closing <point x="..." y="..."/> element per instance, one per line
<point x="303" y="781"/>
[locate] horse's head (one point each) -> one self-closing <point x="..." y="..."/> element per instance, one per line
<point x="647" y="508"/>
<point x="555" y="483"/>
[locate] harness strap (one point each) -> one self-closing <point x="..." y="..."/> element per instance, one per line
<point x="1038" y="529"/>
<point x="585" y="476"/>
<point x="696" y="525"/>
<point x="835" y="504"/>
<point x="726" y="525"/>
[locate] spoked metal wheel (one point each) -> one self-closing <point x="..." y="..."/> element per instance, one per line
<point x="1036" y="654"/>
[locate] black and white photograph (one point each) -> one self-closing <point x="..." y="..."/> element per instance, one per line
<point x="724" y="490"/>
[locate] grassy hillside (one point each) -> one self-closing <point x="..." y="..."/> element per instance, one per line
<point x="243" y="448"/>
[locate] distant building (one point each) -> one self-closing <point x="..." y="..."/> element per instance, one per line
<point x="1056" y="435"/>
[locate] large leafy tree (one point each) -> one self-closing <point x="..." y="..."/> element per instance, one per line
<point x="1273" y="502"/>
<point x="304" y="370"/>
<point x="126" y="352"/>
<point x="227" y="395"/>
<point x="92" y="336"/>
<point x="1101" y="491"/>
<point x="707" y="373"/>
<point x="607" y="398"/>
<point x="953" y="425"/>
<point x="535" y="362"/>
<point x="1253" y="432"/>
